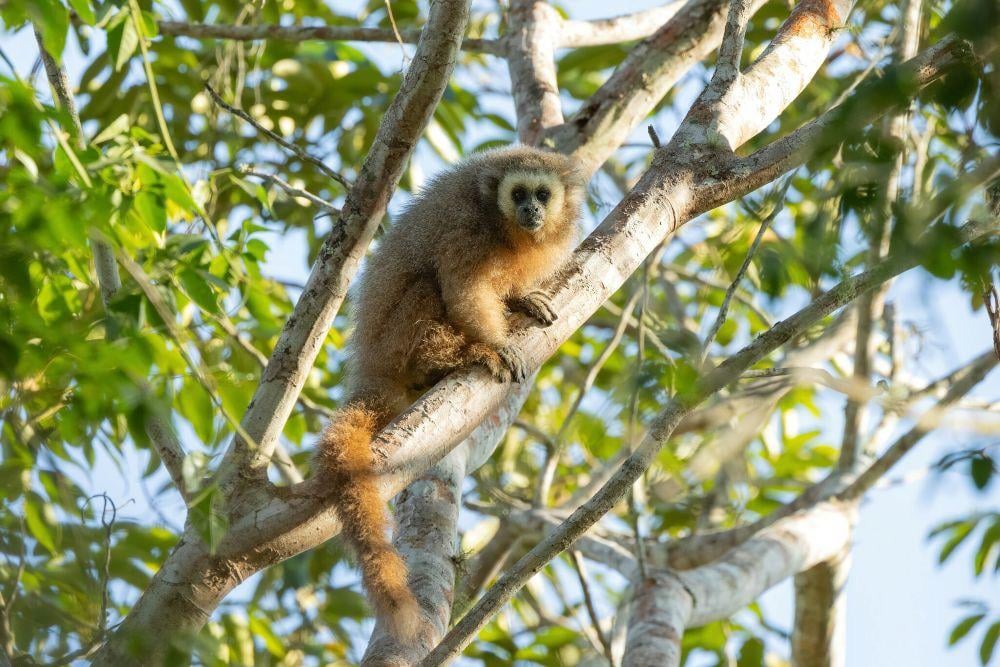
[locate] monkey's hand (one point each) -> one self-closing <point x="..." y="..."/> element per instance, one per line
<point x="536" y="305"/>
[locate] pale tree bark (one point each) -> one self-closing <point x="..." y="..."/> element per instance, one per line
<point x="668" y="602"/>
<point x="531" y="58"/>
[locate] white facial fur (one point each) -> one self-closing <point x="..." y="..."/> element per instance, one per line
<point x="531" y="180"/>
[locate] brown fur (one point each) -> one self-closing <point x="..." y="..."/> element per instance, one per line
<point x="435" y="297"/>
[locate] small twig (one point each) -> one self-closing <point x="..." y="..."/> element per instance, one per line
<point x="105" y="575"/>
<point x="277" y="138"/>
<point x="290" y="189"/>
<point x="581" y="571"/>
<point x="653" y="136"/>
<point x="395" y="30"/>
<point x="727" y="67"/>
<point x="992" y="303"/>
<point x="765" y="224"/>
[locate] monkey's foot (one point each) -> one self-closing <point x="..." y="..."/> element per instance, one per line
<point x="538" y="306"/>
<point x="514" y="363"/>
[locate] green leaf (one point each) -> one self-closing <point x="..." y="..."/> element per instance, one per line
<point x="963" y="627"/>
<point x="958" y="536"/>
<point x="196" y="406"/>
<point x="981" y="469"/>
<point x="84" y="11"/>
<point x="123" y="39"/>
<point x="116" y="128"/>
<point x="51" y="19"/>
<point x="196" y="287"/>
<point x="262" y="630"/>
<point x="39" y="519"/>
<point x="989" y="643"/>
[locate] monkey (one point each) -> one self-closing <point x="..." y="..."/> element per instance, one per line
<point x="440" y="293"/>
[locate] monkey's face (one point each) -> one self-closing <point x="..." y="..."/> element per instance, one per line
<point x="528" y="199"/>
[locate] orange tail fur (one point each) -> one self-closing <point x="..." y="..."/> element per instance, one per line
<point x="345" y="455"/>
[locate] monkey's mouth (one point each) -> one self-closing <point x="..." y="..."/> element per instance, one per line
<point x="530" y="220"/>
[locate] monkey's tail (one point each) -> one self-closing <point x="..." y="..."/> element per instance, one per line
<point x="345" y="454"/>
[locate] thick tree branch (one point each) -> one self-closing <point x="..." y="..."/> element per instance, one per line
<point x="649" y="71"/>
<point x="625" y="28"/>
<point x="666" y="603"/>
<point x="771" y="82"/>
<point x="531" y="40"/>
<point x="294" y="33"/>
<point x="820" y="626"/>
<point x="427" y="536"/>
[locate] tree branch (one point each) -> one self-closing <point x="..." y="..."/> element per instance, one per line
<point x="777" y="77"/>
<point x="727" y="66"/>
<point x="427" y="536"/>
<point x="530" y="44"/>
<point x="648" y="72"/>
<point x="667" y="603"/>
<point x="304" y="33"/>
<point x="625" y="28"/>
<point x="275" y="137"/>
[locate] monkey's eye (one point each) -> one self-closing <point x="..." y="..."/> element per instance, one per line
<point x="519" y="194"/>
<point x="543" y="195"/>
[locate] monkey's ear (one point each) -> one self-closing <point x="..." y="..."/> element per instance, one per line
<point x="489" y="184"/>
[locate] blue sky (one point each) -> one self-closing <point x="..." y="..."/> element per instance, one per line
<point x="901" y="605"/>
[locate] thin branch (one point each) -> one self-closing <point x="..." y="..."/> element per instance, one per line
<point x="581" y="573"/>
<point x="299" y="152"/>
<point x="625" y="28"/>
<point x="969" y="378"/>
<point x="727" y="66"/>
<point x="318" y="202"/>
<point x="765" y="224"/>
<point x="304" y="33"/>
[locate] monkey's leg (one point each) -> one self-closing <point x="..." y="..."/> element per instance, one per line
<point x="345" y="455"/>
<point x="536" y="305"/>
